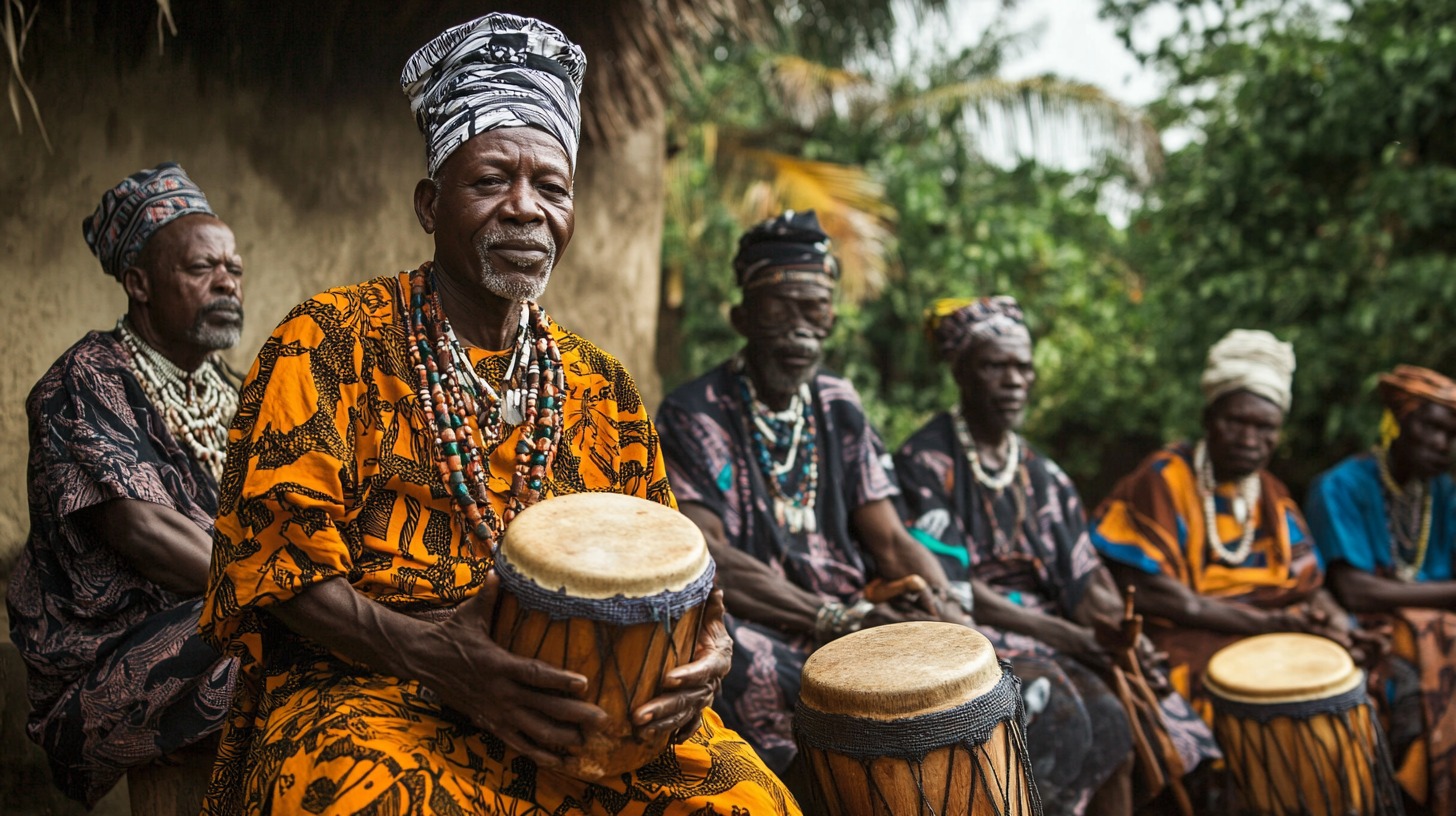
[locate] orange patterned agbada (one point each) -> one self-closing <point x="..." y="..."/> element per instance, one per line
<point x="330" y="473"/>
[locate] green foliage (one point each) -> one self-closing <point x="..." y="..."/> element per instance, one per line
<point x="1317" y="203"/>
<point x="964" y="228"/>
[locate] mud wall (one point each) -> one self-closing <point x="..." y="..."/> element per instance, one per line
<point x="317" y="198"/>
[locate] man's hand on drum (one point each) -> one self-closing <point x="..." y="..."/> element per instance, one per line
<point x="690" y="688"/>
<point x="532" y="706"/>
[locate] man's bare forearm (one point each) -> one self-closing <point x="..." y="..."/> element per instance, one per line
<point x="751" y="589"/>
<point x="1363" y="593"/>
<point x="163" y="545"/>
<point x="335" y="615"/>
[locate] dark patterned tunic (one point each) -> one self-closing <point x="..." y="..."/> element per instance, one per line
<point x="1080" y="735"/>
<point x="710" y="461"/>
<point x="117" y="675"/>
<point x="331" y="474"/>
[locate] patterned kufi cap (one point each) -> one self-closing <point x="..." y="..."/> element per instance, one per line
<point x="1407" y="387"/>
<point x="1250" y="360"/>
<point x="498" y="71"/>
<point x="133" y="211"/>
<point x="955" y="324"/>
<point x="787" y="248"/>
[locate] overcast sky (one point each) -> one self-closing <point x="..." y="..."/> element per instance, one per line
<point x="1066" y="38"/>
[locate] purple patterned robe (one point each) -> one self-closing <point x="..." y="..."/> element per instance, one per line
<point x="1078" y="732"/>
<point x="706" y="440"/>
<point x="117" y="673"/>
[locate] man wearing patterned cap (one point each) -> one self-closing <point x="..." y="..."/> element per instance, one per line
<point x="388" y="433"/>
<point x="1008" y="527"/>
<point x="775" y="460"/>
<point x="1385" y="522"/>
<point x="1213" y="542"/>
<point x="127" y="436"/>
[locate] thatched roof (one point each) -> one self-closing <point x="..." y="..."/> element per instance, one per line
<point x="327" y="50"/>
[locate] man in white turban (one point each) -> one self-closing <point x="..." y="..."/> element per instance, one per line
<point x="1213" y="542"/>
<point x="388" y="433"/>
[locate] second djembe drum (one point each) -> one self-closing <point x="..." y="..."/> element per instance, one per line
<point x="610" y="587"/>
<point x="914" y="718"/>
<point x="1294" y="722"/>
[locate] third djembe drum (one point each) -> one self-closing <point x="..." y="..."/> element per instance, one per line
<point x="610" y="587"/>
<point x="1294" y="722"/>
<point x="914" y="718"/>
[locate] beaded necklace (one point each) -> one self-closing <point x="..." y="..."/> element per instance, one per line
<point x="1009" y="470"/>
<point x="786" y="447"/>
<point x="1002" y="543"/>
<point x="1249" y="491"/>
<point x="468" y="415"/>
<point x="1409" y="515"/>
<point x="196" y="407"/>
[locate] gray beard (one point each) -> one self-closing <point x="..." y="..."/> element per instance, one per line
<point x="502" y="283"/>
<point x="216" y="338"/>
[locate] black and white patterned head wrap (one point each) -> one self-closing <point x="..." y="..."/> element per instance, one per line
<point x="498" y="71"/>
<point x="787" y="248"/>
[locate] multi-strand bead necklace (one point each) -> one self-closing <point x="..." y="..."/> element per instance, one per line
<point x="471" y="418"/>
<point x="1408" y="512"/>
<point x="1002" y="543"/>
<point x="196" y="407"/>
<point x="786" y="444"/>
<point x="1242" y="504"/>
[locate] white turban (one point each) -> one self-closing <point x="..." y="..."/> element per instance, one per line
<point x="1250" y="360"/>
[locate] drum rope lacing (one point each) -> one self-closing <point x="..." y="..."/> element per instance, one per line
<point x="970" y="724"/>
<point x="912" y="739"/>
<point x="620" y="610"/>
<point x="1268" y="750"/>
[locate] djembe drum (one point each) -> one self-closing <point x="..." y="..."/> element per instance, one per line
<point x="610" y="587"/>
<point x="1296" y="728"/>
<point x="914" y="718"/>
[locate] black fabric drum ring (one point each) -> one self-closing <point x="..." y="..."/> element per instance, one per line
<point x="620" y="610"/>
<point x="1263" y="713"/>
<point x="970" y="724"/>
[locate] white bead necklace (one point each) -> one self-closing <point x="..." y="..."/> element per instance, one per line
<point x="197" y="408"/>
<point x="1249" y="491"/>
<point x="513" y="407"/>
<point x="1008" y="472"/>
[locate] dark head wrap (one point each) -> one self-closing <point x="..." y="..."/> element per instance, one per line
<point x="498" y="71"/>
<point x="955" y="324"/>
<point x="133" y="211"/>
<point x="791" y="247"/>
<point x="1407" y="387"/>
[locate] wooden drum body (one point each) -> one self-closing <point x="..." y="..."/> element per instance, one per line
<point x="1297" y="730"/>
<point x="914" y="718"/>
<point x="610" y="587"/>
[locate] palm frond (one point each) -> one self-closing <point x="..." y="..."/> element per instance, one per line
<point x="809" y="90"/>
<point x="1092" y="119"/>
<point x="850" y="204"/>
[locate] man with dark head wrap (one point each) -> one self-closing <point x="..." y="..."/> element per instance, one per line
<point x="1004" y="519"/>
<point x="1213" y="542"/>
<point x="127" y="438"/>
<point x="774" y="459"/>
<point x="1385" y="522"/>
<point x="389" y="432"/>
